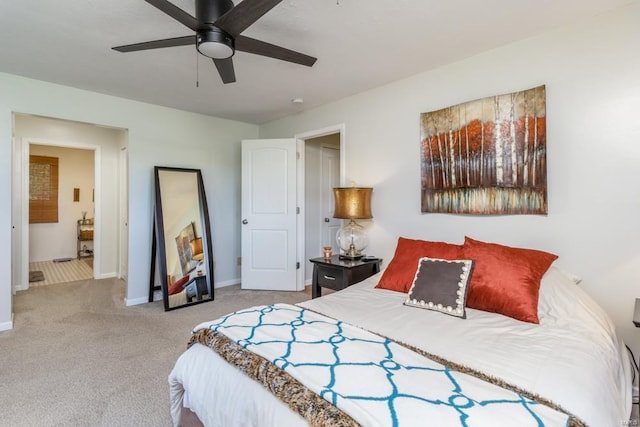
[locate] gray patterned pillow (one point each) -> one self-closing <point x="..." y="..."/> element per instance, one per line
<point x="441" y="285"/>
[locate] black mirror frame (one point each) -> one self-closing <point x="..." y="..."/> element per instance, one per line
<point x="158" y="244"/>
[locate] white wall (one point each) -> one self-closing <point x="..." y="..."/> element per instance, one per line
<point x="157" y="136"/>
<point x="59" y="239"/>
<point x="592" y="75"/>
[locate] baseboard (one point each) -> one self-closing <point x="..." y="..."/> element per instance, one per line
<point x="17" y="288"/>
<point x="226" y="283"/>
<point x="6" y="326"/>
<point x="107" y="275"/>
<point x="237" y="282"/>
<point x="136" y="301"/>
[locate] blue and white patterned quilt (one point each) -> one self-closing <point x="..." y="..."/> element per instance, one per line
<point x="373" y="379"/>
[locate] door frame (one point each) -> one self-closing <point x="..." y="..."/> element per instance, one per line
<point x="301" y="138"/>
<point x="123" y="214"/>
<point x="22" y="253"/>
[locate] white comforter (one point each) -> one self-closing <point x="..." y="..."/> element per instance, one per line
<point x="573" y="358"/>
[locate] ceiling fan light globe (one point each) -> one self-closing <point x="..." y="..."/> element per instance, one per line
<point x="215" y="50"/>
<point x="215" y="45"/>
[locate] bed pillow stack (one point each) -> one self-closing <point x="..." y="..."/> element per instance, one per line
<point x="178" y="285"/>
<point x="500" y="279"/>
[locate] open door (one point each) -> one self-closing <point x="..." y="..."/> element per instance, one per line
<point x="269" y="215"/>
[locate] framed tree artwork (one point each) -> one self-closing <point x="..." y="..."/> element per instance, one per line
<point x="187" y="234"/>
<point x="486" y="157"/>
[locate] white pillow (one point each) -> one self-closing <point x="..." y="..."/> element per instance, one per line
<point x="562" y="303"/>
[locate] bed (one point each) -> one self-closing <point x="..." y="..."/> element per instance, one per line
<point x="185" y="289"/>
<point x="481" y="368"/>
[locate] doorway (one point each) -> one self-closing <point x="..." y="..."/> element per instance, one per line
<point x="67" y="260"/>
<point x="323" y="169"/>
<point x="71" y="258"/>
<point x="105" y="144"/>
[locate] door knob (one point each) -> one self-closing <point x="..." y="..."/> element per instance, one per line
<point x="244" y="221"/>
<point x="327" y="220"/>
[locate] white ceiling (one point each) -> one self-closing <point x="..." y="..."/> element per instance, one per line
<point x="360" y="44"/>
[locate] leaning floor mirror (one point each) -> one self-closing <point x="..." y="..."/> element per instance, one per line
<point x="181" y="243"/>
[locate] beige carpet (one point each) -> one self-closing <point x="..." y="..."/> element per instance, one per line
<point x="78" y="357"/>
<point x="61" y="272"/>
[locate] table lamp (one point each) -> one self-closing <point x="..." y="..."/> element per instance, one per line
<point x="352" y="203"/>
<point x="196" y="249"/>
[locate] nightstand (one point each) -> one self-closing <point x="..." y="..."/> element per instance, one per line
<point x="196" y="287"/>
<point x="335" y="273"/>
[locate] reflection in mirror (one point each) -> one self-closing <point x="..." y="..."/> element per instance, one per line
<point x="182" y="238"/>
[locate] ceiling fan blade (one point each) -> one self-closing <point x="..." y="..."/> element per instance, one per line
<point x="244" y="14"/>
<point x="258" y="47"/>
<point x="156" y="44"/>
<point x="225" y="69"/>
<point x="178" y="14"/>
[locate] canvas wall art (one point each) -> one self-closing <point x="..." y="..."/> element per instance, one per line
<point x="486" y="157"/>
<point x="187" y="234"/>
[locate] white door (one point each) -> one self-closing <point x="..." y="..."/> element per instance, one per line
<point x="268" y="215"/>
<point x="330" y="178"/>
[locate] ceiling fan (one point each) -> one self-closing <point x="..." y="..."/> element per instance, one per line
<point x="217" y="26"/>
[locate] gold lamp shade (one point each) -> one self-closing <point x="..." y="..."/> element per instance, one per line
<point x="196" y="249"/>
<point x="352" y="202"/>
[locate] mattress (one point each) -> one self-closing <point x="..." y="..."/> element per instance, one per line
<point x="573" y="358"/>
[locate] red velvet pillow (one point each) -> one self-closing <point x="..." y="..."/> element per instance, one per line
<point x="178" y="285"/>
<point x="506" y="280"/>
<point x="401" y="271"/>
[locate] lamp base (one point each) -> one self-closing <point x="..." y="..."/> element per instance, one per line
<point x="352" y="241"/>
<point x="352" y="253"/>
<point x="351" y="257"/>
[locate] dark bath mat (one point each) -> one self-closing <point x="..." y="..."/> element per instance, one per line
<point x="36" y="276"/>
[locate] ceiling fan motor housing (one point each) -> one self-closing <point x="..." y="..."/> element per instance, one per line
<point x="209" y="11"/>
<point x="215" y="43"/>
